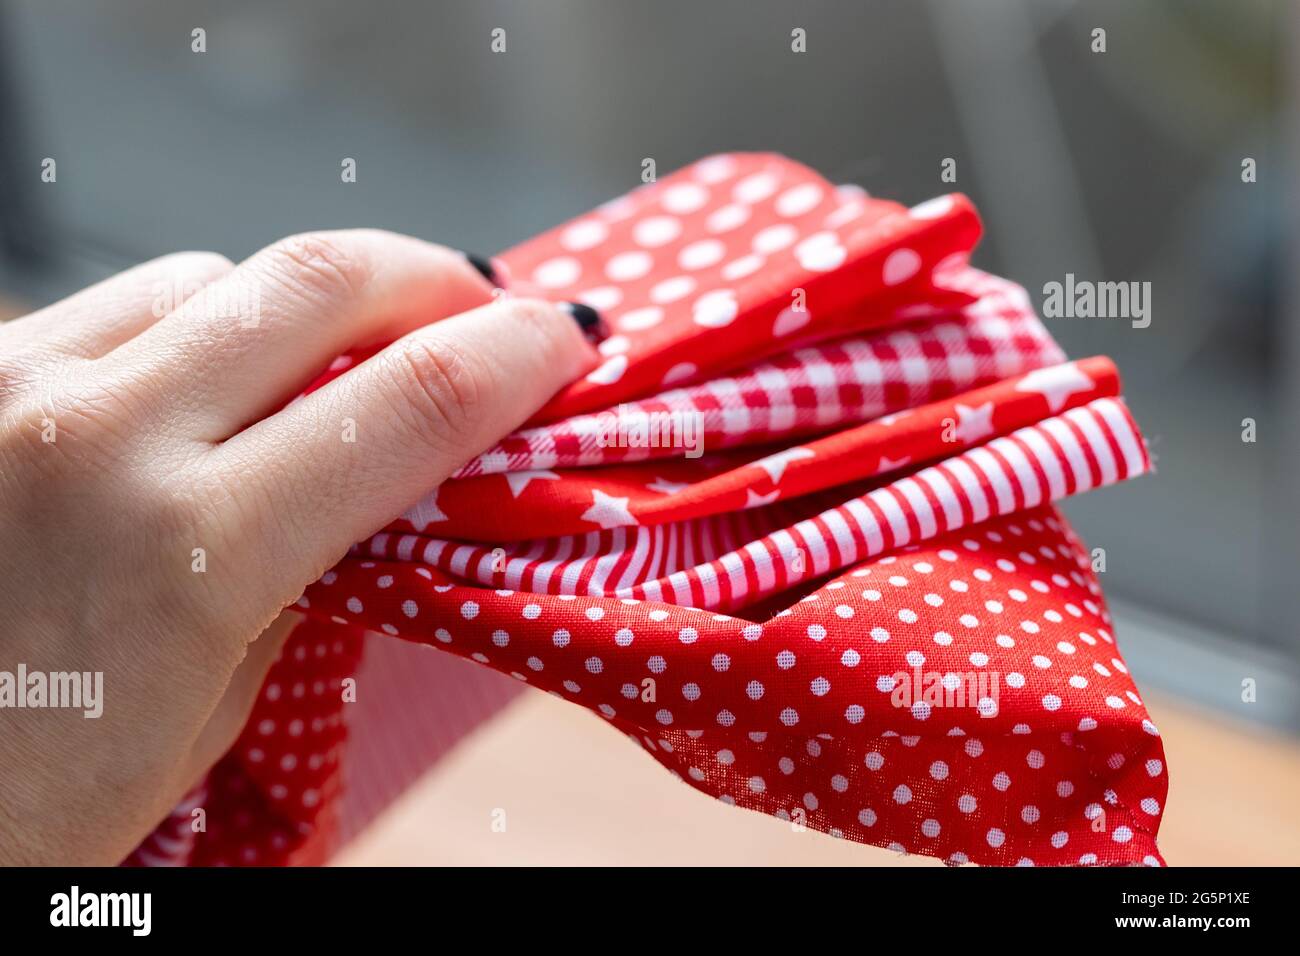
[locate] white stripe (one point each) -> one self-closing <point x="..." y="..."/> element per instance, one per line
<point x="735" y="569"/>
<point x="947" y="495"/>
<point x="986" y="464"/>
<point x="460" y="559"/>
<point x="542" y="577"/>
<point x="433" y="551"/>
<point x="812" y="536"/>
<point x="605" y="563"/>
<point x="639" y="555"/>
<point x="786" y="548"/>
<point x="762" y="565"/>
<point x="1109" y="409"/>
<point x="970" y="484"/>
<point x="570" y="574"/>
<point x="681" y="585"/>
<point x="1065" y="437"/>
<point x="709" y="578"/>
<point x="867" y="523"/>
<point x="1047" y="458"/>
<point x="843" y="535"/>
<point x="1097" y="440"/>
<point x="910" y="490"/>
<point x="1023" y="470"/>
<point x="893" y="514"/>
<point x="483" y="569"/>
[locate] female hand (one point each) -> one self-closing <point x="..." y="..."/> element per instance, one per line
<point x="136" y="438"/>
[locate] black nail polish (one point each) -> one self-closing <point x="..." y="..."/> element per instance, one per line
<point x="484" y="268"/>
<point x="593" y="326"/>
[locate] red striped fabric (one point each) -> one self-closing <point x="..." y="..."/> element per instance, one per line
<point x="854" y="609"/>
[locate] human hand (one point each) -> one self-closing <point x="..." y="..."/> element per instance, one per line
<point x="157" y="513"/>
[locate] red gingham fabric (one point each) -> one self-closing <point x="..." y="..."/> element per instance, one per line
<point x="857" y="610"/>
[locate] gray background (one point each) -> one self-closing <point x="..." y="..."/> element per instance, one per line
<point x="1116" y="166"/>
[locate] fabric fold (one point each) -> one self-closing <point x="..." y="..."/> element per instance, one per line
<point x="855" y="609"/>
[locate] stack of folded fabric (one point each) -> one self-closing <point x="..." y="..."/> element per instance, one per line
<point x="794" y="537"/>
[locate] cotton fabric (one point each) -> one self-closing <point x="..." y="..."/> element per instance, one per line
<point x="857" y="611"/>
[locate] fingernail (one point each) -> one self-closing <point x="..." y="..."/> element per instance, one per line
<point x="485" y="269"/>
<point x="593" y="326"/>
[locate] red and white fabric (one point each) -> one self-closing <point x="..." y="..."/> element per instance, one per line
<point x="857" y="610"/>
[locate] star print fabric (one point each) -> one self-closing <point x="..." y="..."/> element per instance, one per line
<point x="856" y="608"/>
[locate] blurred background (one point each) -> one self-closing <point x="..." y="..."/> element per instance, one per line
<point x="1120" y="166"/>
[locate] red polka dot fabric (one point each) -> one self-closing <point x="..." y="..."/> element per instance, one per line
<point x="794" y="537"/>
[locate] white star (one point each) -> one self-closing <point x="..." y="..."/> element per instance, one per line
<point x="774" y="465"/>
<point x="754" y="500"/>
<point x="890" y="419"/>
<point x="890" y="464"/>
<point x="1056" y="384"/>
<point x="666" y="487"/>
<point x="608" y="511"/>
<point x="426" y="512"/>
<point x="974" y="423"/>
<point x="519" y="480"/>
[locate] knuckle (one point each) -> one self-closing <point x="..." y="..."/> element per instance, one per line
<point x="441" y="383"/>
<point x="319" y="265"/>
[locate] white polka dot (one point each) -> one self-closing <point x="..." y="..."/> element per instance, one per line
<point x="799" y="200"/>
<point x="684" y="198"/>
<point x="627" y="266"/>
<point x="670" y="290"/>
<point x="754" y="188"/>
<point x="715" y="309"/>
<point x="774" y="238"/>
<point x="584" y="235"/>
<point x="557" y="273"/>
<point x="714" y="169"/>
<point x="744" y="266"/>
<point x="702" y="254"/>
<point x="727" y="218"/>
<point x="680" y="372"/>
<point x="656" y="231"/>
<point x="790" y="320"/>
<point x="935" y="208"/>
<point x="602" y="298"/>
<point x="820" y="252"/>
<point x="610" y="371"/>
<point x="900" y="265"/>
<point x="639" y="319"/>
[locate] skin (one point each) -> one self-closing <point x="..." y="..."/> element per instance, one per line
<point x="170" y="435"/>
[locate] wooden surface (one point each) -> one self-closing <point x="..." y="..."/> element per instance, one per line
<point x="576" y="792"/>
